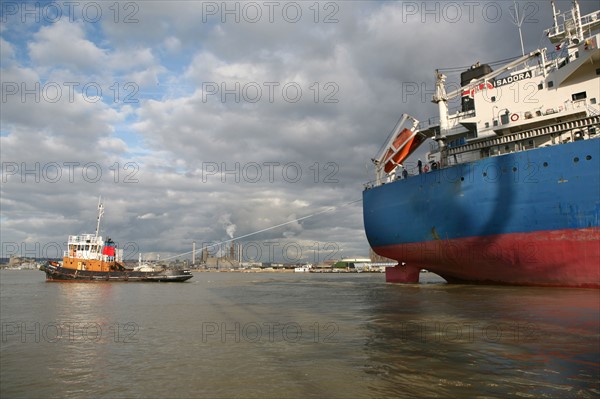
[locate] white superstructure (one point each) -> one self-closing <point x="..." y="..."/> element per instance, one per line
<point x="539" y="99"/>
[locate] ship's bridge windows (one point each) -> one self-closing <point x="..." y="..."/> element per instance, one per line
<point x="579" y="96"/>
<point x="550" y="84"/>
<point x="540" y="86"/>
<point x="593" y="101"/>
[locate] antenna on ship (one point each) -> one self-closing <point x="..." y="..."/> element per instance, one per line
<point x="577" y="18"/>
<point x="100" y="213"/>
<point x="555" y="15"/>
<point x="519" y="22"/>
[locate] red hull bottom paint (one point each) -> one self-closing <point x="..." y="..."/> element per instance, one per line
<point x="563" y="258"/>
<point x="402" y="274"/>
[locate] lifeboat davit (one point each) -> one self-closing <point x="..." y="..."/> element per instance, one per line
<point x="405" y="143"/>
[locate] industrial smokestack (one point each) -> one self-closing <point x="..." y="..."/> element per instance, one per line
<point x="194" y="253"/>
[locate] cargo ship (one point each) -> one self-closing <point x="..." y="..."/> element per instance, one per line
<point x="91" y="258"/>
<point x="509" y="191"/>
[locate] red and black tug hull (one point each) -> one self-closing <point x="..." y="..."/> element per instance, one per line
<point x="57" y="273"/>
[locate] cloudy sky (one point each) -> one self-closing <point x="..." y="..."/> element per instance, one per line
<point x="148" y="103"/>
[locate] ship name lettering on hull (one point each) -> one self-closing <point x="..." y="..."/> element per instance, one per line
<point x="513" y="78"/>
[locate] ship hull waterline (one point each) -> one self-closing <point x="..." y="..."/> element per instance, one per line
<point x="566" y="258"/>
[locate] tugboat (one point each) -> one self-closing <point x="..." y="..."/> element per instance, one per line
<point x="91" y="258"/>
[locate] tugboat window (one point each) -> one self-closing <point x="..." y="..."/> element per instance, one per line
<point x="579" y="96"/>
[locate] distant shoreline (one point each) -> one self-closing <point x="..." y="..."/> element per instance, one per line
<point x="328" y="271"/>
<point x="342" y="271"/>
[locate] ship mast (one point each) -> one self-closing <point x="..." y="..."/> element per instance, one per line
<point x="577" y="18"/>
<point x="555" y="15"/>
<point x="441" y="99"/>
<point x="569" y="27"/>
<point x="519" y="22"/>
<point x="100" y="213"/>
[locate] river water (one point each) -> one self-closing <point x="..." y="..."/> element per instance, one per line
<point x="227" y="335"/>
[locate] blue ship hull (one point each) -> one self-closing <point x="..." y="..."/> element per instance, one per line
<point x="530" y="217"/>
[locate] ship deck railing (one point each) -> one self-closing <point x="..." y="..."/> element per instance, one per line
<point x="589" y="21"/>
<point x="454" y="116"/>
<point x="90" y="255"/>
<point x="85" y="239"/>
<point x="558" y="128"/>
<point x="526" y="134"/>
<point x="389" y="179"/>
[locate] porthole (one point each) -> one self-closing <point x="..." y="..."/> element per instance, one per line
<point x="514" y="169"/>
<point x="545" y="164"/>
<point x="588" y="158"/>
<point x="576" y="159"/>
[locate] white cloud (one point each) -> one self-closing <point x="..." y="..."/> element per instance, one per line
<point x="172" y="44"/>
<point x="64" y="43"/>
<point x="7" y="51"/>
